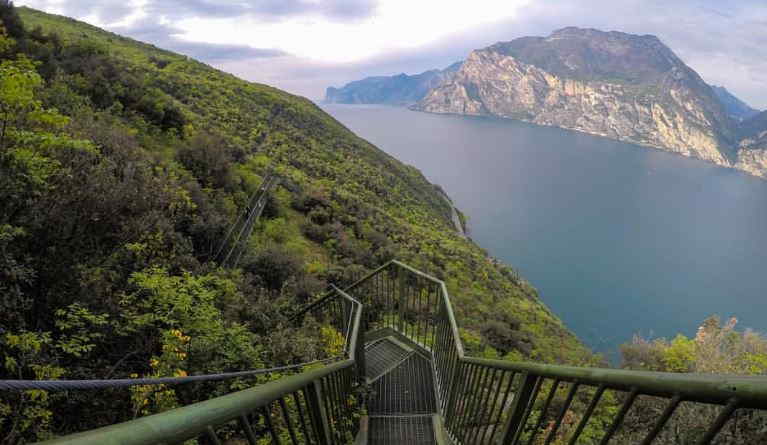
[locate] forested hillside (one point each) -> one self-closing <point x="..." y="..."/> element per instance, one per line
<point x="123" y="166"/>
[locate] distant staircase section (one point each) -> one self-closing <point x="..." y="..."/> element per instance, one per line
<point x="235" y="243"/>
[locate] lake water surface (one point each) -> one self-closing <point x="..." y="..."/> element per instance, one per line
<point x="618" y="239"/>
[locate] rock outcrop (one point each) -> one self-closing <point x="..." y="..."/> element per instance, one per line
<point x="752" y="150"/>
<point x="627" y="87"/>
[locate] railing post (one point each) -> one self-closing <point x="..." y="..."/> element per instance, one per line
<point x="359" y="354"/>
<point x="452" y="400"/>
<point x="317" y="412"/>
<point x="521" y="400"/>
<point x="402" y="300"/>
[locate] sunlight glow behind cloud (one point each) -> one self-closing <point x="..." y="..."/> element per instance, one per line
<point x="396" y="24"/>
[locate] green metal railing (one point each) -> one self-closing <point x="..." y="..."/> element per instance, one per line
<point x="317" y="406"/>
<point x="481" y="401"/>
<point x="491" y="401"/>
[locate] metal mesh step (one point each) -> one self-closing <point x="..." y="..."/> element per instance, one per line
<point x="382" y="356"/>
<point x="407" y="389"/>
<point x="401" y="430"/>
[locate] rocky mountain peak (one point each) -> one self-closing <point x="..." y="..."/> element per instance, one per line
<point x="586" y="54"/>
<point x="574" y="32"/>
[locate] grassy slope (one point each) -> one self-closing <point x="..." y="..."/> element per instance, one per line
<point x="318" y="153"/>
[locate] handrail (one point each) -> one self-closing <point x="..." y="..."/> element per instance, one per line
<point x="482" y="401"/>
<point x="313" y="406"/>
<point x="704" y="388"/>
<point x="751" y="391"/>
<point x="63" y="384"/>
<point x="491" y="401"/>
<point x="174" y="426"/>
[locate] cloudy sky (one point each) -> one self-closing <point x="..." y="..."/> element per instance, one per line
<point x="303" y="46"/>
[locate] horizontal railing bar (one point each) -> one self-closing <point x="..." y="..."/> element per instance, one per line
<point x="190" y="421"/>
<point x="313" y="305"/>
<point x="63" y="385"/>
<point x="751" y="391"/>
<point x="370" y="275"/>
<point x="415" y="271"/>
<point x="330" y="294"/>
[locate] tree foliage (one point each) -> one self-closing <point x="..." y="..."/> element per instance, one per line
<point x="122" y="169"/>
<point x="716" y="348"/>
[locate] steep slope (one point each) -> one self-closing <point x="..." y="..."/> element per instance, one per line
<point x="622" y="86"/>
<point x="752" y="153"/>
<point x="121" y="171"/>
<point x="736" y="108"/>
<point x="394" y="90"/>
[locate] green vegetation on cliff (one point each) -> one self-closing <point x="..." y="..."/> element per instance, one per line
<point x="717" y="348"/>
<point x="122" y="166"/>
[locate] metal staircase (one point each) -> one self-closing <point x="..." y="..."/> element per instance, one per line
<point x="403" y="378"/>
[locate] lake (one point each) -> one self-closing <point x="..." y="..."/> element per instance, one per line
<point x="618" y="239"/>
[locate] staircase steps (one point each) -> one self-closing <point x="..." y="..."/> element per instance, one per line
<point x="403" y="404"/>
<point x="382" y="356"/>
<point x="406" y="389"/>
<point x="401" y="430"/>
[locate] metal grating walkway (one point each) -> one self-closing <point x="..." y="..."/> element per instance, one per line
<point x="395" y="430"/>
<point x="407" y="389"/>
<point x="382" y="356"/>
<point x="402" y="401"/>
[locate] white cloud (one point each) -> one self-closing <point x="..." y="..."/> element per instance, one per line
<point x="395" y="25"/>
<point x="336" y="41"/>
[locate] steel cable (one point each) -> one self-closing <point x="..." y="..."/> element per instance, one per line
<point x="63" y="385"/>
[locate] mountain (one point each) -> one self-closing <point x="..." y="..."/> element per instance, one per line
<point x="736" y="108"/>
<point x="752" y="152"/>
<point x="122" y="169"/>
<point x="753" y="128"/>
<point x="627" y="87"/>
<point x="394" y="90"/>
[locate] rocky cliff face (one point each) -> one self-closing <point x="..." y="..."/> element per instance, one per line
<point x="394" y="90"/>
<point x="622" y="86"/>
<point x="752" y="152"/>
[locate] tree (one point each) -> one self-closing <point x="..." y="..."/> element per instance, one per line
<point x="11" y="20"/>
<point x="716" y="348"/>
<point x="19" y="108"/>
